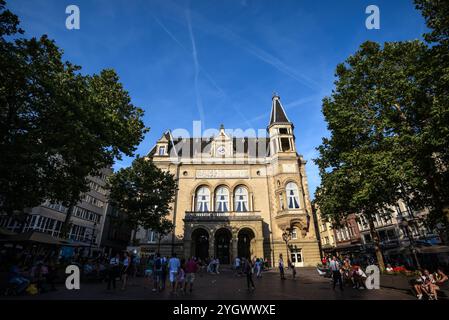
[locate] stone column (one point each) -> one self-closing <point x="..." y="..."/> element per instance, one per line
<point x="211" y="246"/>
<point x="234" y="243"/>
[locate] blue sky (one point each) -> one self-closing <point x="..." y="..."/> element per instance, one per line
<point x="220" y="61"/>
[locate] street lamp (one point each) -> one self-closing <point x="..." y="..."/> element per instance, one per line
<point x="287" y="236"/>
<point x="405" y="226"/>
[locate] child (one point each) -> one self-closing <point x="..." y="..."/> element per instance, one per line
<point x="181" y="277"/>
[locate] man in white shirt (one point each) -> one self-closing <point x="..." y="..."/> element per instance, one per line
<point x="237" y="264"/>
<point x="113" y="271"/>
<point x="361" y="279"/>
<point x="173" y="268"/>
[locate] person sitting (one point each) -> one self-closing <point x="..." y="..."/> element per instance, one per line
<point x="324" y="261"/>
<point x="428" y="286"/>
<point x="51" y="276"/>
<point x="88" y="268"/>
<point x="39" y="273"/>
<point x="441" y="280"/>
<point x="440" y="277"/>
<point x="389" y="268"/>
<point x="359" y="278"/>
<point x="217" y="266"/>
<point x="417" y="283"/>
<point x="17" y="280"/>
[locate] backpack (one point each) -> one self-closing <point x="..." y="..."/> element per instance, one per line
<point x="158" y="264"/>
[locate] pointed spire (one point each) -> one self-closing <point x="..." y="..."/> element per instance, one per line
<point x="278" y="114"/>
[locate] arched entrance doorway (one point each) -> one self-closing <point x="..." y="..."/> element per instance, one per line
<point x="222" y="245"/>
<point x="245" y="238"/>
<point x="200" y="243"/>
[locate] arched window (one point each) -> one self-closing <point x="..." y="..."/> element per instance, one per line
<point x="241" y="199"/>
<point x="202" y="199"/>
<point x="292" y="195"/>
<point x="222" y="199"/>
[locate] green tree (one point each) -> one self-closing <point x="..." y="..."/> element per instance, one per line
<point x="365" y="164"/>
<point x="57" y="126"/>
<point x="163" y="229"/>
<point x="389" y="124"/>
<point x="144" y="194"/>
<point x="432" y="160"/>
<point x="436" y="13"/>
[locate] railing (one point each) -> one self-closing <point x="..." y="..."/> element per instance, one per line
<point x="221" y="214"/>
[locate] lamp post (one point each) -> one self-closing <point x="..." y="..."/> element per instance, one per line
<point x="287" y="236"/>
<point x="405" y="225"/>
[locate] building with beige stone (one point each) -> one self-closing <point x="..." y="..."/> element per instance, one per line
<point x="238" y="196"/>
<point x="326" y="233"/>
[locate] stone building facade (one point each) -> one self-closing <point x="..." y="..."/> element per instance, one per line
<point x="238" y="196"/>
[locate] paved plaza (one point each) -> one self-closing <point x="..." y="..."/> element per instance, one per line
<point x="307" y="285"/>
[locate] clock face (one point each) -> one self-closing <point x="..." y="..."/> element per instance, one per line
<point x="221" y="150"/>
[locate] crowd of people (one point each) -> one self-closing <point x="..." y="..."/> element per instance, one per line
<point x="345" y="272"/>
<point x="428" y="284"/>
<point x="38" y="273"/>
<point x="30" y="272"/>
<point x="180" y="273"/>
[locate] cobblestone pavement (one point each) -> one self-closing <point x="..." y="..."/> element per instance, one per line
<point x="227" y="285"/>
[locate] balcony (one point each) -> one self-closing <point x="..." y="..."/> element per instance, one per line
<point x="288" y="218"/>
<point x="222" y="216"/>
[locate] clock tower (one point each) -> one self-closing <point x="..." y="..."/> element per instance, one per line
<point x="222" y="145"/>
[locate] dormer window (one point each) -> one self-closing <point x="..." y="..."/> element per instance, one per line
<point x="162" y="150"/>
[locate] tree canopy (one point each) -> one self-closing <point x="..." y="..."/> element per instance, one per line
<point x="144" y="193"/>
<point x="388" y="118"/>
<point x="57" y="126"/>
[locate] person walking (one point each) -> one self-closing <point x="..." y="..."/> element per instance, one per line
<point x="157" y="273"/>
<point x="248" y="270"/>
<point x="237" y="265"/>
<point x="163" y="272"/>
<point x="173" y="268"/>
<point x="180" y="278"/>
<point x="113" y="271"/>
<point x="258" y="268"/>
<point x="127" y="270"/>
<point x="281" y="267"/>
<point x="334" y="266"/>
<point x="190" y="269"/>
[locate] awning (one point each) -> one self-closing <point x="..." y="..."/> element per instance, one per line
<point x="433" y="249"/>
<point x="6" y="232"/>
<point x="422" y="250"/>
<point x="36" y="237"/>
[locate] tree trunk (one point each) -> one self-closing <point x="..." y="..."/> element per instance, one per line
<point x="134" y="237"/>
<point x="439" y="212"/>
<point x="376" y="241"/>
